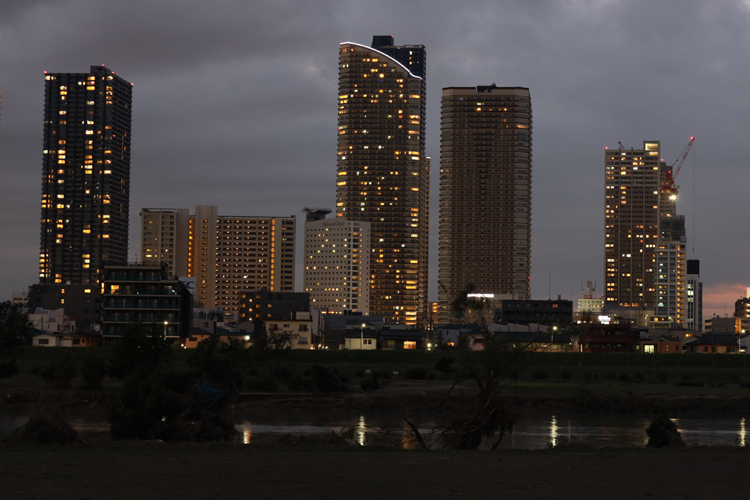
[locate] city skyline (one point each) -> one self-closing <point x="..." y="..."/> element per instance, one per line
<point x="218" y="101"/>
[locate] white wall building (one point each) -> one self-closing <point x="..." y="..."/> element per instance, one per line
<point x="337" y="265"/>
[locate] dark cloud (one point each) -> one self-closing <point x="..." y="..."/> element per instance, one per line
<point x="235" y="105"/>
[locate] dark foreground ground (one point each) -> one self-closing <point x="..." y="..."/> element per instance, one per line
<point x="140" y="470"/>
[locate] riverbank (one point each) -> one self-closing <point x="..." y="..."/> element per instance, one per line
<point x="166" y="471"/>
<point x="408" y="397"/>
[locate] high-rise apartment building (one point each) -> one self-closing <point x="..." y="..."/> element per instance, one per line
<point x="165" y="239"/>
<point x="225" y="254"/>
<point x="485" y="194"/>
<point x="645" y="256"/>
<point x="631" y="221"/>
<point x="383" y="173"/>
<point x="337" y="265"/>
<point x="671" y="294"/>
<point x="85" y="176"/>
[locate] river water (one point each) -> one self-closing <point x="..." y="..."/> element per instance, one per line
<point x="531" y="432"/>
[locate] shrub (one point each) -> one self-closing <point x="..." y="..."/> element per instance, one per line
<point x="538" y="375"/>
<point x="93" y="370"/>
<point x="8" y="368"/>
<point x="344" y="377"/>
<point x="564" y="376"/>
<point x="45" y="430"/>
<point x="416" y="373"/>
<point x="370" y="383"/>
<point x="223" y="364"/>
<point x="140" y="349"/>
<point x="384" y="374"/>
<point x="445" y="365"/>
<point x="325" y="380"/>
<point x="171" y="406"/>
<point x="284" y="374"/>
<point x="58" y="374"/>
<point x="263" y="383"/>
<point x="297" y="383"/>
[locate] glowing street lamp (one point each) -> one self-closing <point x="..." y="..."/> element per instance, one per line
<point x="362" y="337"/>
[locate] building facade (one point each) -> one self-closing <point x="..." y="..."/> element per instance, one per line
<point x="262" y="305"/>
<point x="694" y="296"/>
<point x="485" y="193"/>
<point x="671" y="292"/>
<point x="337" y="265"/>
<point x="645" y="242"/>
<point x="225" y="254"/>
<point x="165" y="239"/>
<point x="383" y="172"/>
<point x="85" y="176"/>
<point x="146" y="295"/>
<point x="540" y="312"/>
<point x="631" y="220"/>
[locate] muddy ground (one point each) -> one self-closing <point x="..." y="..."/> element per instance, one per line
<point x="166" y="471"/>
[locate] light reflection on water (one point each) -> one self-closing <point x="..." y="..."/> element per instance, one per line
<point x="553" y="431"/>
<point x="361" y="431"/>
<point x="531" y="432"/>
<point x="742" y="432"/>
<point x="534" y="431"/>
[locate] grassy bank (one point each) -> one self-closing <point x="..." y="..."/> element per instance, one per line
<point x="546" y="375"/>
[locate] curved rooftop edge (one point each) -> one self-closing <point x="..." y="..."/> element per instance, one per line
<point x="382" y="54"/>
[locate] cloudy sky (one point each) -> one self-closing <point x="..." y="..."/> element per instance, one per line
<point x="234" y="105"/>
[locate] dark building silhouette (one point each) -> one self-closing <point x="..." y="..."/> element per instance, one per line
<point x="85" y="176"/>
<point x="485" y="194"/>
<point x="264" y="304"/>
<point x="543" y="312"/>
<point x="146" y="295"/>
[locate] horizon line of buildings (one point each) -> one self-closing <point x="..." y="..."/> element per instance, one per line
<point x="372" y="257"/>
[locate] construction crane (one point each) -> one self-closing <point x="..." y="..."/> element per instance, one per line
<point x="669" y="181"/>
<point x="622" y="148"/>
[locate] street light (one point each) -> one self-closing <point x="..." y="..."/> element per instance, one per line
<point x="165" y="328"/>
<point x="362" y="336"/>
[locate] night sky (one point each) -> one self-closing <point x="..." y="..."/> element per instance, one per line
<point x="235" y="105"/>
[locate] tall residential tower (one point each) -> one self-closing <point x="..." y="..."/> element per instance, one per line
<point x="631" y="221"/>
<point x="644" y="242"/>
<point x="383" y="173"/>
<point x="485" y="193"/>
<point x="85" y="176"/>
